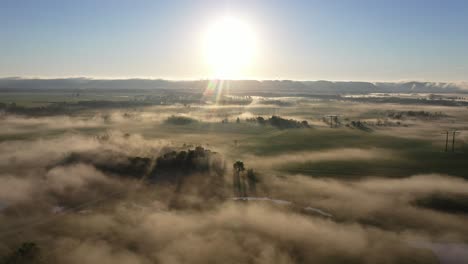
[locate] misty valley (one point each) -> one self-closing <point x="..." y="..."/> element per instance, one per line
<point x="154" y="171"/>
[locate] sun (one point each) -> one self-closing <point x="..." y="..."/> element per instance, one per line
<point x="229" y="48"/>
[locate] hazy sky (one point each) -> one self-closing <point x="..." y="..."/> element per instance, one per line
<point x="334" y="40"/>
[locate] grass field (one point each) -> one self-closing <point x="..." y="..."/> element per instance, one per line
<point x="375" y="180"/>
<point x="413" y="152"/>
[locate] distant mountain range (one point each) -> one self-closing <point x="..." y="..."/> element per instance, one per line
<point x="237" y="86"/>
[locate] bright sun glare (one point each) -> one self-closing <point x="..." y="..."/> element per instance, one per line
<point x="229" y="46"/>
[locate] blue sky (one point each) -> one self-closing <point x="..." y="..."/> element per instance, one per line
<point x="372" y="40"/>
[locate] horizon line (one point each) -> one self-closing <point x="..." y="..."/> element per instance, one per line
<point x="219" y="79"/>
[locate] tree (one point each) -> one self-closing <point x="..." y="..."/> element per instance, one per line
<point x="28" y="252"/>
<point x="238" y="168"/>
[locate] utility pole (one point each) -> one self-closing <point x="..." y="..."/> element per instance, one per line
<point x="453" y="139"/>
<point x="333" y="117"/>
<point x="446" y="139"/>
<point x="446" y="133"/>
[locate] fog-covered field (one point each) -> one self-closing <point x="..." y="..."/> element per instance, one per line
<point x="156" y="180"/>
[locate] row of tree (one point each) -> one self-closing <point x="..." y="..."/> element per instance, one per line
<point x="279" y="122"/>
